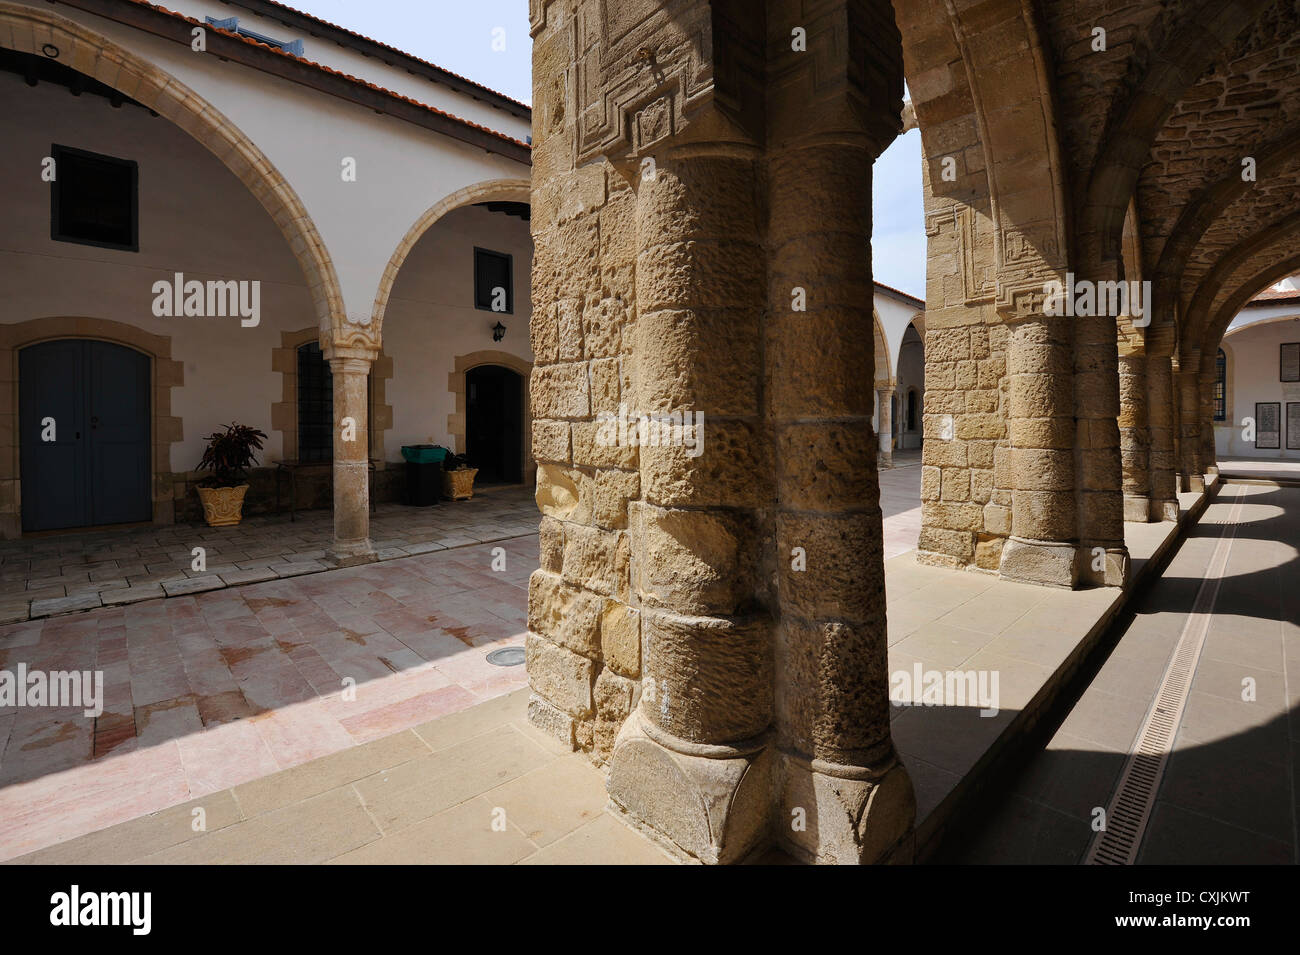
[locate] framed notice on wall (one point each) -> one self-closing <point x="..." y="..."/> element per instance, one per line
<point x="1290" y="361"/>
<point x="1268" y="425"/>
<point x="1293" y="425"/>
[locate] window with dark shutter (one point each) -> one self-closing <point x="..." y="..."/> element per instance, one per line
<point x="94" y="200"/>
<point x="494" y="281"/>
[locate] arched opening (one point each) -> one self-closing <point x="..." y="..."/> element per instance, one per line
<point x="494" y="424"/>
<point x="84" y="434"/>
<point x="911" y="384"/>
<point x="457" y="297"/>
<point x="104" y="234"/>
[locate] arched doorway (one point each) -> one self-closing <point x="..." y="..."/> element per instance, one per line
<point x="494" y="424"/>
<point x="84" y="434"/>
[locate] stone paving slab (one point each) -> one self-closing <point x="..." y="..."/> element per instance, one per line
<point x="478" y="787"/>
<point x="1033" y="638"/>
<point x="55" y="574"/>
<point x="1229" y="794"/>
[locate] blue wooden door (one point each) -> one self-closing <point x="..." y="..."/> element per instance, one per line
<point x="96" y="469"/>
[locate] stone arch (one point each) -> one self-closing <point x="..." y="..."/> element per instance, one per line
<point x="165" y="429"/>
<point x="1244" y="293"/>
<point x="882" y="361"/>
<point x="456" y="385"/>
<point x="1202" y="317"/>
<point x="30" y="30"/>
<point x="1187" y="51"/>
<point x="956" y="72"/>
<point x="493" y="190"/>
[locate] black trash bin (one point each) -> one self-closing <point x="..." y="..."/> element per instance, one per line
<point x="423" y="474"/>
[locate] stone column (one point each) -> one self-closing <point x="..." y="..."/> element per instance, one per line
<point x="1209" y="450"/>
<point x="886" y="430"/>
<point x="1041" y="429"/>
<point x="1135" y="436"/>
<point x="1097" y="450"/>
<point x="692" y="764"/>
<point x="842" y="777"/>
<point x="1164" y="465"/>
<point x="1189" y="419"/>
<point x="351" y="461"/>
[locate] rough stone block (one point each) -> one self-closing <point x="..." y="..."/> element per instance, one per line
<point x="560" y="676"/>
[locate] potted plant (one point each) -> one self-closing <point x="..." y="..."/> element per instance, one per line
<point x="458" y="477"/>
<point x="228" y="456"/>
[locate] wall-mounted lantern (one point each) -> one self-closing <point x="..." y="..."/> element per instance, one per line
<point x="498" y="332"/>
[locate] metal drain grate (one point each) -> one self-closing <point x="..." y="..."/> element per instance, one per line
<point x="1135" y="794"/>
<point x="506" y="657"/>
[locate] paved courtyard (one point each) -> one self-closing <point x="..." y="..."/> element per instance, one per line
<point x="207" y="691"/>
<point x="230" y="701"/>
<point x="58" y="573"/>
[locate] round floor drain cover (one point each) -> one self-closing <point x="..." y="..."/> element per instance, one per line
<point x="506" y="657"/>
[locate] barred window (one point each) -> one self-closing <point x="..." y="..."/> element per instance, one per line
<point x="315" y="405"/>
<point x="1221" y="386"/>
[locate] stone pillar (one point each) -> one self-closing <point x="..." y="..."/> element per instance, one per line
<point x="885" y="417"/>
<point x="841" y="776"/>
<point x="693" y="764"/>
<point x="1209" y="450"/>
<point x="679" y="185"/>
<point x="351" y="461"/>
<point x="1134" y="436"/>
<point x="1097" y="450"/>
<point x="1160" y="411"/>
<point x="1189" y="420"/>
<point x="1041" y="429"/>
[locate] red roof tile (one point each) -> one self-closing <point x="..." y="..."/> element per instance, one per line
<point x="334" y="27"/>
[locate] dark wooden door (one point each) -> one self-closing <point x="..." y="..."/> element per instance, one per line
<point x="96" y="469"/>
<point x="494" y="424"/>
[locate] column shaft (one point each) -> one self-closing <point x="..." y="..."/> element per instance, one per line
<point x="1135" y="437"/>
<point x="832" y="669"/>
<point x="698" y="739"/>
<point x="1161" y="416"/>
<point x="351" y="461"/>
<point x="1041" y="432"/>
<point x="1189" y="420"/>
<point x="886" y="429"/>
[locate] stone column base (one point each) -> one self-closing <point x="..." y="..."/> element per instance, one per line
<point x="844" y="815"/>
<point x="351" y="553"/>
<point x="710" y="803"/>
<point x="1101" y="566"/>
<point x="1137" y="509"/>
<point x="1191" y="482"/>
<point x="1164" y="510"/>
<point x="1040" y="562"/>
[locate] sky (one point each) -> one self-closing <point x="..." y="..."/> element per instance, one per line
<point x="458" y="36"/>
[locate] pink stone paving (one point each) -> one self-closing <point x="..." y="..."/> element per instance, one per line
<point x="208" y="691"/>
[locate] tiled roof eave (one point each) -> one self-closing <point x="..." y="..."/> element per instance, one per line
<point x="171" y="25"/>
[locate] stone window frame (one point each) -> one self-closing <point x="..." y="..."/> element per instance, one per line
<point x="284" y="413"/>
<point x="456" y="384"/>
<point x="165" y="429"/>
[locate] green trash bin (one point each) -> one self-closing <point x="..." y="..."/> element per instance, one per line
<point x="423" y="473"/>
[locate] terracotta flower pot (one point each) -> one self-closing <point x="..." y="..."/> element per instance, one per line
<point x="459" y="485"/>
<point x="223" y="506"/>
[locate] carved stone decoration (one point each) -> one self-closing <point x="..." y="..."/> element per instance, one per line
<point x="642" y="65"/>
